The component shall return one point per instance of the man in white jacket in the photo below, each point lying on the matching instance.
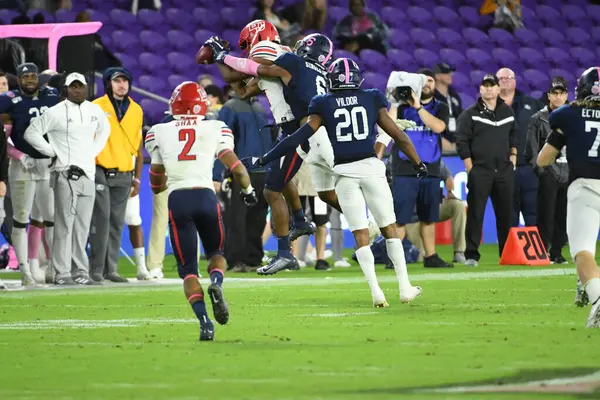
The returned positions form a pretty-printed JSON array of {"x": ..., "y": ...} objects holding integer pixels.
[{"x": 77, "y": 131}]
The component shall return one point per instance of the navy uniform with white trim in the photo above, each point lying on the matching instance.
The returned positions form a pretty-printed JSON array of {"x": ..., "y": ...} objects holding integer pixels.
[
  {"x": 577, "y": 125},
  {"x": 487, "y": 142}
]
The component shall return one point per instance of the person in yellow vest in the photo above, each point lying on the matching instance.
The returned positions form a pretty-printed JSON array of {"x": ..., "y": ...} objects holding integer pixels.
[{"x": 117, "y": 177}]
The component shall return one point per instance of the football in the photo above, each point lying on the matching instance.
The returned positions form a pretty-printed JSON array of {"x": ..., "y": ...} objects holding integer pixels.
[{"x": 204, "y": 55}]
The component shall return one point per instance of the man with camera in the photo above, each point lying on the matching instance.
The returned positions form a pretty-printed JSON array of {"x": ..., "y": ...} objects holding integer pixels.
[
  {"x": 430, "y": 118},
  {"x": 77, "y": 132}
]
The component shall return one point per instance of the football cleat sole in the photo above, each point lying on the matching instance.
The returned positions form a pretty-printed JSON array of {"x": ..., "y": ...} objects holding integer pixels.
[{"x": 219, "y": 305}]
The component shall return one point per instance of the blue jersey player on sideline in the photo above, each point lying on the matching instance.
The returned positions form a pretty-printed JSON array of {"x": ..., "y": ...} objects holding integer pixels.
[
  {"x": 303, "y": 74},
  {"x": 577, "y": 126},
  {"x": 351, "y": 115},
  {"x": 185, "y": 150},
  {"x": 29, "y": 175}
]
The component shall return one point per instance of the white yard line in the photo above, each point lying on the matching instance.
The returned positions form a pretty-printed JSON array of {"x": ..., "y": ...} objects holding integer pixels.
[{"x": 167, "y": 284}]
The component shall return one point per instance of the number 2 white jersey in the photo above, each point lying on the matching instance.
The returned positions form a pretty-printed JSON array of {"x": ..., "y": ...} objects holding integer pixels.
[
  {"x": 188, "y": 148},
  {"x": 273, "y": 87}
]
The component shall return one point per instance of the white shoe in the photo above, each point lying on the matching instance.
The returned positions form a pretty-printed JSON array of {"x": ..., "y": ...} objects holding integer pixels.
[
  {"x": 26, "y": 277},
  {"x": 594, "y": 318},
  {"x": 343, "y": 263},
  {"x": 36, "y": 272},
  {"x": 581, "y": 297},
  {"x": 143, "y": 274},
  {"x": 156, "y": 273},
  {"x": 374, "y": 231},
  {"x": 301, "y": 264},
  {"x": 311, "y": 258},
  {"x": 379, "y": 299},
  {"x": 411, "y": 294}
]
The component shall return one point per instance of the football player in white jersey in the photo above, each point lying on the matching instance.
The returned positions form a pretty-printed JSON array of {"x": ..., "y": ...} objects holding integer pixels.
[{"x": 185, "y": 149}]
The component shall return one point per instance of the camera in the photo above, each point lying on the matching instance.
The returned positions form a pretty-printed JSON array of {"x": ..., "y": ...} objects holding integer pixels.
[{"x": 403, "y": 94}]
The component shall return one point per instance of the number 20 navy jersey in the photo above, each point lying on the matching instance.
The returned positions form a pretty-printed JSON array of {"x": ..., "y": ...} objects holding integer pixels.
[
  {"x": 350, "y": 117},
  {"x": 581, "y": 129},
  {"x": 22, "y": 109},
  {"x": 308, "y": 80}
]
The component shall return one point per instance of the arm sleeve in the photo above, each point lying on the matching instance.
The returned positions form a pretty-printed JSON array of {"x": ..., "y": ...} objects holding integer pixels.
[
  {"x": 226, "y": 141},
  {"x": 443, "y": 113},
  {"x": 513, "y": 137},
  {"x": 464, "y": 134},
  {"x": 3, "y": 155},
  {"x": 151, "y": 145},
  {"x": 289, "y": 143},
  {"x": 38, "y": 127},
  {"x": 6, "y": 102},
  {"x": 289, "y": 62},
  {"x": 532, "y": 143},
  {"x": 102, "y": 131}
]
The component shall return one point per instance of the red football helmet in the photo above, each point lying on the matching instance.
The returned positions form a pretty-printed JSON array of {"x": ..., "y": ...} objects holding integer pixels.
[
  {"x": 257, "y": 31},
  {"x": 189, "y": 98}
]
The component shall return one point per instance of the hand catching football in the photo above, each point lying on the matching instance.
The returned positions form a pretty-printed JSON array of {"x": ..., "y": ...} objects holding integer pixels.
[{"x": 206, "y": 53}]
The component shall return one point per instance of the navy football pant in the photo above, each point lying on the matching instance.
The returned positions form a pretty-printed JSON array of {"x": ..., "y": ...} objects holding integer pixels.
[
  {"x": 194, "y": 212},
  {"x": 525, "y": 196}
]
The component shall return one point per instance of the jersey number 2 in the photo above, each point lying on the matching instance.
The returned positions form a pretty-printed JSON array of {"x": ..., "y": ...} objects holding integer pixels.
[
  {"x": 350, "y": 118},
  {"x": 189, "y": 137},
  {"x": 589, "y": 126}
]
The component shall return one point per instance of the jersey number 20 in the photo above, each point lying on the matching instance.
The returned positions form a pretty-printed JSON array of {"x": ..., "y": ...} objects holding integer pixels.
[
  {"x": 350, "y": 119},
  {"x": 189, "y": 137}
]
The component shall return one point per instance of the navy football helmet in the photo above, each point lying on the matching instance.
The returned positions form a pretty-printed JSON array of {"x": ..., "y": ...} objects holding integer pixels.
[
  {"x": 588, "y": 84},
  {"x": 344, "y": 74},
  {"x": 316, "y": 48}
]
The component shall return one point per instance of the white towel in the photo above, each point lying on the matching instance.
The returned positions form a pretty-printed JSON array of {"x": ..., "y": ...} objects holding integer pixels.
[{"x": 402, "y": 78}]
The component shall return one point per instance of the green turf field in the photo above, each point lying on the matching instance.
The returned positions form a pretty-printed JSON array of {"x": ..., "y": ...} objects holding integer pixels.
[{"x": 306, "y": 335}]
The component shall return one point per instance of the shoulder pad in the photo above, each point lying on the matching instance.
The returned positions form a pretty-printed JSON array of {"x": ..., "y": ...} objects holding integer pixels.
[{"x": 267, "y": 50}]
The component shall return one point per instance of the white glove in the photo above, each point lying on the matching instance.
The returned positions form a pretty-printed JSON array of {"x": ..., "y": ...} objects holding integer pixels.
[
  {"x": 405, "y": 124},
  {"x": 27, "y": 162}
]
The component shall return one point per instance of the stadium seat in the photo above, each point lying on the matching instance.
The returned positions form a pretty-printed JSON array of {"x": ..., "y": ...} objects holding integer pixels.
[
  {"x": 123, "y": 19},
  {"x": 536, "y": 79},
  {"x": 125, "y": 41},
  {"x": 425, "y": 58},
  {"x": 178, "y": 18},
  {"x": 400, "y": 59},
  {"x": 446, "y": 16},
  {"x": 150, "y": 19},
  {"x": 526, "y": 37},
  {"x": 180, "y": 40},
  {"x": 374, "y": 60},
  {"x": 202, "y": 35},
  {"x": 478, "y": 58},
  {"x": 152, "y": 40},
  {"x": 180, "y": 62},
  {"x": 454, "y": 58},
  {"x": 552, "y": 37},
  {"x": 531, "y": 57},
  {"x": 151, "y": 84},
  {"x": 577, "y": 36},
  {"x": 151, "y": 62},
  {"x": 420, "y": 17}
]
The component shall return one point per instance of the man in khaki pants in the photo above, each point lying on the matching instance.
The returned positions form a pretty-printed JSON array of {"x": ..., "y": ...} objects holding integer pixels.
[
  {"x": 452, "y": 209},
  {"x": 156, "y": 244}
]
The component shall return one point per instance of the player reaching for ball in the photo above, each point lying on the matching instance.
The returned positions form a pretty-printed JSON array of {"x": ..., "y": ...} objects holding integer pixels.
[
  {"x": 351, "y": 115},
  {"x": 302, "y": 74},
  {"x": 185, "y": 150}
]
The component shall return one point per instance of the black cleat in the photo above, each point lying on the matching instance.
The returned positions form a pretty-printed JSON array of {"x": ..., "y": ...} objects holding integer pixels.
[
  {"x": 322, "y": 265},
  {"x": 219, "y": 305},
  {"x": 434, "y": 261},
  {"x": 301, "y": 229},
  {"x": 207, "y": 334},
  {"x": 277, "y": 264}
]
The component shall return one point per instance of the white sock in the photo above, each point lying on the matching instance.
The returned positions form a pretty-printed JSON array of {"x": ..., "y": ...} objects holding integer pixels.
[
  {"x": 366, "y": 260},
  {"x": 592, "y": 288},
  {"x": 396, "y": 254},
  {"x": 19, "y": 239},
  {"x": 140, "y": 258},
  {"x": 49, "y": 234}
]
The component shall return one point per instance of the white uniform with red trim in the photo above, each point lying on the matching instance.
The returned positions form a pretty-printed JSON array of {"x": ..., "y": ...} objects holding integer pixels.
[
  {"x": 187, "y": 148},
  {"x": 273, "y": 87},
  {"x": 320, "y": 157}
]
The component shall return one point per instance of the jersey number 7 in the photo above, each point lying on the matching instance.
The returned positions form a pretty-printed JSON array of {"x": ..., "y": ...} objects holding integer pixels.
[{"x": 189, "y": 137}]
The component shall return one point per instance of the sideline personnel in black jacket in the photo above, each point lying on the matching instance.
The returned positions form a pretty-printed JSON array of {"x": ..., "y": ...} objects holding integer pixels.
[
  {"x": 553, "y": 180},
  {"x": 487, "y": 143}
]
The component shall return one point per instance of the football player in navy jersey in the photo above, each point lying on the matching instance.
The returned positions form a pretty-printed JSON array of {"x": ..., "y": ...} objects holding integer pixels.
[
  {"x": 350, "y": 116},
  {"x": 577, "y": 126},
  {"x": 29, "y": 175},
  {"x": 303, "y": 74}
]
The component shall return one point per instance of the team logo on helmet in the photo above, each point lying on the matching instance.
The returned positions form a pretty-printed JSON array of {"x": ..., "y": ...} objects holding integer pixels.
[
  {"x": 257, "y": 26},
  {"x": 342, "y": 78},
  {"x": 196, "y": 109}
]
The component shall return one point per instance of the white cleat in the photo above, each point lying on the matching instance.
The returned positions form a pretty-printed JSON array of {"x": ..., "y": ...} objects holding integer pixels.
[
  {"x": 411, "y": 294},
  {"x": 156, "y": 273},
  {"x": 36, "y": 271},
  {"x": 343, "y": 263},
  {"x": 379, "y": 299},
  {"x": 374, "y": 231},
  {"x": 581, "y": 297},
  {"x": 2, "y": 285},
  {"x": 594, "y": 318},
  {"x": 26, "y": 277},
  {"x": 143, "y": 274}
]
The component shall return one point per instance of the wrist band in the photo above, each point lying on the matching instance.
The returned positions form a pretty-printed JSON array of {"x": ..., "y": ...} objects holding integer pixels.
[
  {"x": 419, "y": 109},
  {"x": 247, "y": 190}
]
